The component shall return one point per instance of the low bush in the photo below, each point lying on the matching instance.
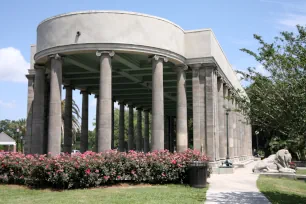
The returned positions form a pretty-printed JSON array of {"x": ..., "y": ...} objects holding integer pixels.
[{"x": 95, "y": 169}]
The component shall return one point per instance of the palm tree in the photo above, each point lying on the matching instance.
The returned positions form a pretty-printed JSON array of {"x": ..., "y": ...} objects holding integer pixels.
[{"x": 75, "y": 119}]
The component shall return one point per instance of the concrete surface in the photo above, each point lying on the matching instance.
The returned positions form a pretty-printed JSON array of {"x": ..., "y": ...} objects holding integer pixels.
[{"x": 239, "y": 187}]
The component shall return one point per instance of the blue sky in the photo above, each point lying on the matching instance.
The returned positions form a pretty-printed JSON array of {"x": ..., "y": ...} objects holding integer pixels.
[{"x": 234, "y": 22}]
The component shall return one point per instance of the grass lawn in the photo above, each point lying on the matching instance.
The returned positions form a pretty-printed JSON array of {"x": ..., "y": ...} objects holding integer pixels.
[
  {"x": 301, "y": 171},
  {"x": 282, "y": 190},
  {"x": 123, "y": 194}
]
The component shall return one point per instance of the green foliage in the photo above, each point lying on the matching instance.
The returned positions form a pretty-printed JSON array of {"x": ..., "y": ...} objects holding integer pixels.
[
  {"x": 95, "y": 169},
  {"x": 277, "y": 97},
  {"x": 10, "y": 127}
]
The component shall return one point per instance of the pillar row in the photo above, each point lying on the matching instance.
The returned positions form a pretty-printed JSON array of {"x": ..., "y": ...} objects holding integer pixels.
[
  {"x": 181, "y": 114},
  {"x": 196, "y": 108},
  {"x": 121, "y": 127},
  {"x": 131, "y": 128},
  {"x": 55, "y": 114},
  {"x": 230, "y": 125},
  {"x": 221, "y": 118},
  {"x": 105, "y": 101},
  {"x": 139, "y": 130},
  {"x": 84, "y": 122},
  {"x": 146, "y": 132},
  {"x": 97, "y": 122},
  {"x": 157, "y": 103},
  {"x": 38, "y": 121},
  {"x": 28, "y": 136},
  {"x": 68, "y": 120}
]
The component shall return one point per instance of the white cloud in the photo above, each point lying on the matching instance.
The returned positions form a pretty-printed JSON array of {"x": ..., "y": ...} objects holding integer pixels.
[
  {"x": 13, "y": 66},
  {"x": 4, "y": 104}
]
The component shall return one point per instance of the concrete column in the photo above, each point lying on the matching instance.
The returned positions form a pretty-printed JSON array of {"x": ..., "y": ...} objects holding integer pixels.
[
  {"x": 146, "y": 132},
  {"x": 226, "y": 106},
  {"x": 216, "y": 117},
  {"x": 113, "y": 126},
  {"x": 55, "y": 114},
  {"x": 157, "y": 103},
  {"x": 202, "y": 107},
  {"x": 221, "y": 118},
  {"x": 131, "y": 128},
  {"x": 121, "y": 127},
  {"x": 196, "y": 108},
  {"x": 166, "y": 142},
  {"x": 97, "y": 122},
  {"x": 171, "y": 133},
  {"x": 238, "y": 131},
  {"x": 84, "y": 124},
  {"x": 181, "y": 111},
  {"x": 37, "y": 141},
  {"x": 235, "y": 136},
  {"x": 28, "y": 136},
  {"x": 139, "y": 130},
  {"x": 230, "y": 124},
  {"x": 68, "y": 120},
  {"x": 210, "y": 102},
  {"x": 105, "y": 101}
]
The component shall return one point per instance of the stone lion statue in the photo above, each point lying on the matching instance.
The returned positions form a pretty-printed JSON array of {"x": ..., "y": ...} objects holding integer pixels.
[{"x": 275, "y": 163}]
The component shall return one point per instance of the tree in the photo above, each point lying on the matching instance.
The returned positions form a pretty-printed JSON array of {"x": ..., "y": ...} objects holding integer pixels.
[
  {"x": 277, "y": 99},
  {"x": 15, "y": 129},
  {"x": 75, "y": 119}
]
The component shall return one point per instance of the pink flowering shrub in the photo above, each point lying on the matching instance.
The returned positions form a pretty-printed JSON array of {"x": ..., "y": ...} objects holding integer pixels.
[{"x": 95, "y": 169}]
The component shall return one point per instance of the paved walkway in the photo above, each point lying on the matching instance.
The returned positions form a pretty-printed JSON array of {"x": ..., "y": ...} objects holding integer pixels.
[{"x": 239, "y": 187}]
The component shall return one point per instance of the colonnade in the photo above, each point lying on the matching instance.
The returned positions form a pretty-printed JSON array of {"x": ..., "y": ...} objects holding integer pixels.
[{"x": 211, "y": 100}]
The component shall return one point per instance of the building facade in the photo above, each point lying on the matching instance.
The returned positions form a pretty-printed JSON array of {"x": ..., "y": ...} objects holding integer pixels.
[{"x": 142, "y": 61}]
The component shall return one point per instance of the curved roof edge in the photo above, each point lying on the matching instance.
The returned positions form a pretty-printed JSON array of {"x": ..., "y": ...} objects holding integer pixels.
[{"x": 109, "y": 11}]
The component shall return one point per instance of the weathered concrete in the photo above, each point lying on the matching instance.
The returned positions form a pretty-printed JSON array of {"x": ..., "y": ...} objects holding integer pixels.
[
  {"x": 113, "y": 126},
  {"x": 202, "y": 106},
  {"x": 37, "y": 140},
  {"x": 131, "y": 128},
  {"x": 139, "y": 130},
  {"x": 166, "y": 137},
  {"x": 221, "y": 118},
  {"x": 97, "y": 122},
  {"x": 68, "y": 120},
  {"x": 230, "y": 125},
  {"x": 121, "y": 127},
  {"x": 55, "y": 114},
  {"x": 239, "y": 187},
  {"x": 196, "y": 108},
  {"x": 210, "y": 112},
  {"x": 105, "y": 101},
  {"x": 181, "y": 111},
  {"x": 235, "y": 136},
  {"x": 84, "y": 124},
  {"x": 157, "y": 103},
  {"x": 146, "y": 132},
  {"x": 28, "y": 136}
]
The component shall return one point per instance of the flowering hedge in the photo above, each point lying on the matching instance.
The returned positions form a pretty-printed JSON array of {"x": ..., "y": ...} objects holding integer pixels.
[{"x": 95, "y": 169}]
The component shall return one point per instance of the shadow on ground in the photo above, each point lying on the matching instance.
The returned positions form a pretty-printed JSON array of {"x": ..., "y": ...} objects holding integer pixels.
[
  {"x": 238, "y": 197},
  {"x": 283, "y": 198}
]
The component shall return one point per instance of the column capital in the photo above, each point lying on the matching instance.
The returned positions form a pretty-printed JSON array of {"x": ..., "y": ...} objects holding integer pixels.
[
  {"x": 158, "y": 57},
  {"x": 30, "y": 76},
  {"x": 180, "y": 68},
  {"x": 130, "y": 105},
  {"x": 39, "y": 66},
  {"x": 55, "y": 56},
  {"x": 84, "y": 91},
  {"x": 139, "y": 108},
  {"x": 96, "y": 95},
  {"x": 195, "y": 66},
  {"x": 99, "y": 53},
  {"x": 121, "y": 102},
  {"x": 68, "y": 85}
]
